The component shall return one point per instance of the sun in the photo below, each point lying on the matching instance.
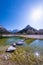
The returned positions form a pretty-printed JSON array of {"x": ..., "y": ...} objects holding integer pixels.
[{"x": 36, "y": 14}]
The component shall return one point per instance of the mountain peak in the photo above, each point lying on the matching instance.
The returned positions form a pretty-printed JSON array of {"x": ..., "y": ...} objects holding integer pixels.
[
  {"x": 28, "y": 30},
  {"x": 28, "y": 27}
]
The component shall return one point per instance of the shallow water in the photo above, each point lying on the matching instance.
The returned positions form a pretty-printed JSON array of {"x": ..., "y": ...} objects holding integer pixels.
[{"x": 36, "y": 46}]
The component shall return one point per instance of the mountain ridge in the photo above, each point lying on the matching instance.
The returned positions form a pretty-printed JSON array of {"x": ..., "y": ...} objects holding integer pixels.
[
  {"x": 4, "y": 30},
  {"x": 27, "y": 30}
]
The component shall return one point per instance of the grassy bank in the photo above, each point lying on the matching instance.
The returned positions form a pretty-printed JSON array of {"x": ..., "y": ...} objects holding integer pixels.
[{"x": 29, "y": 40}]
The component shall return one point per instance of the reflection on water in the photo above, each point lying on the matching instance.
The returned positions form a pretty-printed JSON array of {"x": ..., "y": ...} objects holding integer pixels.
[
  {"x": 37, "y": 54},
  {"x": 37, "y": 43},
  {"x": 37, "y": 46},
  {"x": 12, "y": 40}
]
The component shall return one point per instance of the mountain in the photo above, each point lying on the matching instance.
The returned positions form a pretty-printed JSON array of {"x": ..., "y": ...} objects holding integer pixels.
[
  {"x": 28, "y": 30},
  {"x": 15, "y": 31},
  {"x": 3, "y": 30},
  {"x": 40, "y": 31}
]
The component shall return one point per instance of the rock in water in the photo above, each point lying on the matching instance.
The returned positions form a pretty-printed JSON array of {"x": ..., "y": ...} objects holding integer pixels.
[
  {"x": 20, "y": 42},
  {"x": 14, "y": 44},
  {"x": 11, "y": 49}
]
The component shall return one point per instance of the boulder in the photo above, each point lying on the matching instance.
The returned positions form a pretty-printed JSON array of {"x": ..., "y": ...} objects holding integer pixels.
[
  {"x": 20, "y": 42},
  {"x": 11, "y": 49}
]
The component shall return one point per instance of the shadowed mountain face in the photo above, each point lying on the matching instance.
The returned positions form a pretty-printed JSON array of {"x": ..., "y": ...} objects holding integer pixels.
[
  {"x": 3, "y": 30},
  {"x": 28, "y": 30}
]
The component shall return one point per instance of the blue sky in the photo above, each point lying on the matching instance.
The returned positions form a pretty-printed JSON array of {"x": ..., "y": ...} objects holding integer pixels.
[{"x": 17, "y": 14}]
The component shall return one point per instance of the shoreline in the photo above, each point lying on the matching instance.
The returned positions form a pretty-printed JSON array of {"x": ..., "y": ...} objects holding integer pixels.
[{"x": 25, "y": 36}]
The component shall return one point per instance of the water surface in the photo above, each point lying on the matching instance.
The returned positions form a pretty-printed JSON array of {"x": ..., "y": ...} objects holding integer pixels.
[{"x": 35, "y": 46}]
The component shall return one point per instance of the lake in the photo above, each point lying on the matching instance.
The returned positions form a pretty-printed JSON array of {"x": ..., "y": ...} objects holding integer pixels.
[{"x": 34, "y": 48}]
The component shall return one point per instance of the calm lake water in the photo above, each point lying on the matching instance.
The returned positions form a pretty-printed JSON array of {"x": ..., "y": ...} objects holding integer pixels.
[{"x": 36, "y": 46}]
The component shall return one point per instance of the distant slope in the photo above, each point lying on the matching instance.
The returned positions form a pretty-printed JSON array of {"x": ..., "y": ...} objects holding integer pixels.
[
  {"x": 3, "y": 30},
  {"x": 15, "y": 31},
  {"x": 41, "y": 31}
]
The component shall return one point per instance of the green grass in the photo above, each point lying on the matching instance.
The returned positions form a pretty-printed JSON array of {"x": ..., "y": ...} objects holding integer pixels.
[
  {"x": 2, "y": 41},
  {"x": 29, "y": 40}
]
